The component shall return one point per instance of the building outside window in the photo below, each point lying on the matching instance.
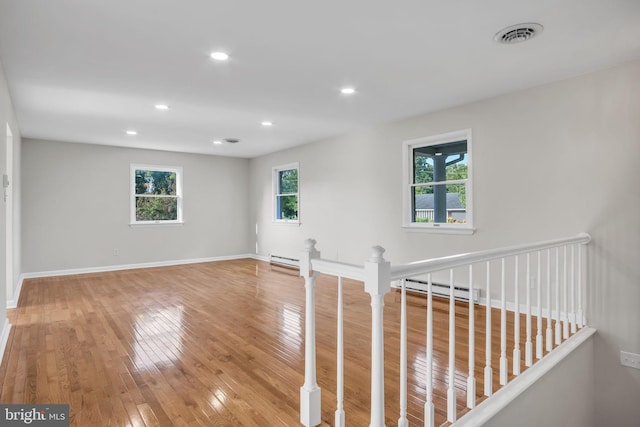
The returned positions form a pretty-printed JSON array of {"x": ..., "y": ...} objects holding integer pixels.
[{"x": 437, "y": 183}]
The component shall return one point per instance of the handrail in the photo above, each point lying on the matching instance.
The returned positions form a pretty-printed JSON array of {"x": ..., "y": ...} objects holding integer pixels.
[
  {"x": 442, "y": 263},
  {"x": 519, "y": 266},
  {"x": 336, "y": 268}
]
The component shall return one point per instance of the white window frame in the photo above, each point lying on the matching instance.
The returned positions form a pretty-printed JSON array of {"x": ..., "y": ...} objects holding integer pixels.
[
  {"x": 276, "y": 193},
  {"x": 407, "y": 184},
  {"x": 132, "y": 184}
]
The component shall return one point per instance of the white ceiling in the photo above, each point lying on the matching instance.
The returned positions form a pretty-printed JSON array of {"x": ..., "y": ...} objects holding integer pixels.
[{"x": 87, "y": 70}]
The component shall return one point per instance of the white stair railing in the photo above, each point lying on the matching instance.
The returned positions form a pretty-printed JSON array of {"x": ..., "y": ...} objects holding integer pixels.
[
  {"x": 340, "y": 360},
  {"x": 309, "y": 392},
  {"x": 471, "y": 379},
  {"x": 488, "y": 370},
  {"x": 377, "y": 274}
]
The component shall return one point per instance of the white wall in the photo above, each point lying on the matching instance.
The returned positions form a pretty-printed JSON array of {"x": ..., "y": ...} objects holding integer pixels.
[
  {"x": 7, "y": 116},
  {"x": 548, "y": 162},
  {"x": 76, "y": 207},
  {"x": 563, "y": 397}
]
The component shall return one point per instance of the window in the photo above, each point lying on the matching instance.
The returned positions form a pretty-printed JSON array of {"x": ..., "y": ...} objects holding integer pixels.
[
  {"x": 437, "y": 183},
  {"x": 285, "y": 191},
  {"x": 156, "y": 194}
]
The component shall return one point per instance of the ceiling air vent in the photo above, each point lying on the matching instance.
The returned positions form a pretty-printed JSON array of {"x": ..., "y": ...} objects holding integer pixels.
[
  {"x": 232, "y": 140},
  {"x": 518, "y": 33}
]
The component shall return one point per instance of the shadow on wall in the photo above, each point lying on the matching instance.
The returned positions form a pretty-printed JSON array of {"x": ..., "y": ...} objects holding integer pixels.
[{"x": 613, "y": 295}]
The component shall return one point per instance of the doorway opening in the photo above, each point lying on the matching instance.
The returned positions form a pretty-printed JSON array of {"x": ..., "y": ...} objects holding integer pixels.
[{"x": 7, "y": 185}]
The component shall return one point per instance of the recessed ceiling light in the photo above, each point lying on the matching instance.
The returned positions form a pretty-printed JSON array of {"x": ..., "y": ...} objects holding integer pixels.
[
  {"x": 161, "y": 107},
  {"x": 217, "y": 142},
  {"x": 132, "y": 132},
  {"x": 266, "y": 123},
  {"x": 347, "y": 91},
  {"x": 219, "y": 56}
]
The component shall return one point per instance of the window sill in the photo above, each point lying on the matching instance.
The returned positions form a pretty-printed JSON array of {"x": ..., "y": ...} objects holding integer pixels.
[
  {"x": 442, "y": 229},
  {"x": 288, "y": 223},
  {"x": 156, "y": 224}
]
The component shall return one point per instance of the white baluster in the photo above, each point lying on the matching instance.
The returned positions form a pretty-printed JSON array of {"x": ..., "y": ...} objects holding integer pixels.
[
  {"x": 488, "y": 370},
  {"x": 539, "y": 340},
  {"x": 558, "y": 328},
  {"x": 429, "y": 413},
  {"x": 516, "y": 324},
  {"x": 504, "y": 364},
  {"x": 471, "y": 379},
  {"x": 309, "y": 392},
  {"x": 581, "y": 321},
  {"x": 573, "y": 291},
  {"x": 402, "y": 421},
  {"x": 565, "y": 297},
  {"x": 549, "y": 319},
  {"x": 528, "y": 345},
  {"x": 340, "y": 421},
  {"x": 451, "y": 391},
  {"x": 377, "y": 284}
]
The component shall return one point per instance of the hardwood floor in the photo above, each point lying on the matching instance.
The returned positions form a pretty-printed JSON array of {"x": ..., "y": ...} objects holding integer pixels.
[{"x": 214, "y": 344}]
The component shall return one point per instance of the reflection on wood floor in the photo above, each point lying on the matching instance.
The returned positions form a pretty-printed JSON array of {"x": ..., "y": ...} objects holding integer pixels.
[{"x": 213, "y": 344}]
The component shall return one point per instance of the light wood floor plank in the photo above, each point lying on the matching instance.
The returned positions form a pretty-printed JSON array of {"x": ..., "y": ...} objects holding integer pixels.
[{"x": 215, "y": 344}]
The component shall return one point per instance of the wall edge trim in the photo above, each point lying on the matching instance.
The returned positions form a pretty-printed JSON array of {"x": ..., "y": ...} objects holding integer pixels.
[{"x": 500, "y": 399}]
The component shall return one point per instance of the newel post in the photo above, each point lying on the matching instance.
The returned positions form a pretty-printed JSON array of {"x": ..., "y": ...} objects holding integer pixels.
[
  {"x": 377, "y": 274},
  {"x": 309, "y": 392}
]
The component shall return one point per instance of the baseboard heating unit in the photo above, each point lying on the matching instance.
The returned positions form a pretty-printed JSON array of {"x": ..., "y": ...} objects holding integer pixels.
[
  {"x": 439, "y": 289},
  {"x": 284, "y": 261}
]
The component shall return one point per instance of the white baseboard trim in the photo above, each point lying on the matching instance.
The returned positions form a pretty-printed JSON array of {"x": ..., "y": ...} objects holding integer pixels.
[
  {"x": 260, "y": 257},
  {"x": 510, "y": 306},
  {"x": 500, "y": 399},
  {"x": 120, "y": 267},
  {"x": 4, "y": 338},
  {"x": 13, "y": 303}
]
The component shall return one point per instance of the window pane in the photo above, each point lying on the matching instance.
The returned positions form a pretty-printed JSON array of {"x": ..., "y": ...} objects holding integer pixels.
[
  {"x": 288, "y": 181},
  {"x": 423, "y": 167},
  {"x": 156, "y": 208},
  {"x": 442, "y": 162},
  {"x": 155, "y": 182},
  {"x": 439, "y": 203},
  {"x": 457, "y": 167},
  {"x": 287, "y": 207}
]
